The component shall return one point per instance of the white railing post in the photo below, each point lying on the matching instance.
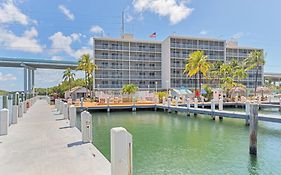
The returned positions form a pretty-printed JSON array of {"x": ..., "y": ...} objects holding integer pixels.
[
  {"x": 4, "y": 121},
  {"x": 177, "y": 101},
  {"x": 86, "y": 127},
  {"x": 121, "y": 152},
  {"x": 195, "y": 103},
  {"x": 20, "y": 109},
  {"x": 107, "y": 102},
  {"x": 280, "y": 104},
  {"x": 15, "y": 108},
  {"x": 72, "y": 116}
]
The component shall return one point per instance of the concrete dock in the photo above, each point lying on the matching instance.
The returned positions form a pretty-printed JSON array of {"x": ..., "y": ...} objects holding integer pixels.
[{"x": 42, "y": 143}]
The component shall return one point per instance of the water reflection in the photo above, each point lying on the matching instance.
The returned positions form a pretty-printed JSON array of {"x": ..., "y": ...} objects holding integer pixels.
[{"x": 253, "y": 165}]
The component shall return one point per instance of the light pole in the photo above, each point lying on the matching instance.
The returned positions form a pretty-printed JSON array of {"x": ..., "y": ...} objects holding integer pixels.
[{"x": 156, "y": 86}]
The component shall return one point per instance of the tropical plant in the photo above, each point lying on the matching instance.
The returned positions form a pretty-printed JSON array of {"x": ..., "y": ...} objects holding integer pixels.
[
  {"x": 68, "y": 75},
  {"x": 161, "y": 95},
  {"x": 197, "y": 64},
  {"x": 87, "y": 65},
  {"x": 209, "y": 92},
  {"x": 255, "y": 60},
  {"x": 129, "y": 89}
]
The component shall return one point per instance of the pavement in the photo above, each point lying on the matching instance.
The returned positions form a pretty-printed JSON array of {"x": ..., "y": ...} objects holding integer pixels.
[{"x": 42, "y": 143}]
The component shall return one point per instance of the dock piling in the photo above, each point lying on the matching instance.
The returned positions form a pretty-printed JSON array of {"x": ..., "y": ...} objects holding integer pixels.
[
  {"x": 253, "y": 128},
  {"x": 86, "y": 127},
  {"x": 188, "y": 106},
  {"x": 107, "y": 102},
  {"x": 121, "y": 152},
  {"x": 65, "y": 110},
  {"x": 280, "y": 105},
  {"x": 213, "y": 107},
  {"x": 72, "y": 116},
  {"x": 20, "y": 109},
  {"x": 195, "y": 103},
  {"x": 169, "y": 105},
  {"x": 4, "y": 121},
  {"x": 15, "y": 108},
  {"x": 247, "y": 110},
  {"x": 220, "y": 107}
]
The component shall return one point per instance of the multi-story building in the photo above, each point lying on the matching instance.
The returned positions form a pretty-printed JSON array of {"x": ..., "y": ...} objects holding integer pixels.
[
  {"x": 154, "y": 63},
  {"x": 126, "y": 60}
]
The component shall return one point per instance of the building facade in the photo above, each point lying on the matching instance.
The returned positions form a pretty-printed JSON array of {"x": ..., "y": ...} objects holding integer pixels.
[{"x": 156, "y": 64}]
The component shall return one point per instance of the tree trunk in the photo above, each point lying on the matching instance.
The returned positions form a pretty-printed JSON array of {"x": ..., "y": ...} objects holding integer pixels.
[
  {"x": 200, "y": 82},
  {"x": 256, "y": 81},
  {"x": 195, "y": 84}
]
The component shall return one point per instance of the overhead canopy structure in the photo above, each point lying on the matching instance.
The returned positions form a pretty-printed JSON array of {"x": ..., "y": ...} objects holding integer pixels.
[
  {"x": 180, "y": 92},
  {"x": 30, "y": 65}
]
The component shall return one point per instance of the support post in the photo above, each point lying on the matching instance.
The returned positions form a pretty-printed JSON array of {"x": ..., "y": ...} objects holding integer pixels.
[
  {"x": 15, "y": 108},
  {"x": 169, "y": 104},
  {"x": 134, "y": 105},
  {"x": 65, "y": 110},
  {"x": 4, "y": 121},
  {"x": 86, "y": 127},
  {"x": 177, "y": 101},
  {"x": 236, "y": 101},
  {"x": 107, "y": 102},
  {"x": 253, "y": 129},
  {"x": 82, "y": 102},
  {"x": 213, "y": 107},
  {"x": 72, "y": 116},
  {"x": 29, "y": 80},
  {"x": 20, "y": 109},
  {"x": 5, "y": 102},
  {"x": 247, "y": 110},
  {"x": 280, "y": 105},
  {"x": 121, "y": 152},
  {"x": 220, "y": 107},
  {"x": 25, "y": 79},
  {"x": 195, "y": 103},
  {"x": 188, "y": 106}
]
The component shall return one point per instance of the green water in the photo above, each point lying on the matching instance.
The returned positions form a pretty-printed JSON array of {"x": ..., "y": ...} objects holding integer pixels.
[{"x": 175, "y": 144}]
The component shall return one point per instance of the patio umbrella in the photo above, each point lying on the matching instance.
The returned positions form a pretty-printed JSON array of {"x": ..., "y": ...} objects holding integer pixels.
[
  {"x": 203, "y": 91},
  {"x": 263, "y": 90},
  {"x": 237, "y": 90}
]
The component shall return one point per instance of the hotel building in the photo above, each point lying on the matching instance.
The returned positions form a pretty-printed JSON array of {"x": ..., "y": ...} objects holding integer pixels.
[{"x": 159, "y": 64}]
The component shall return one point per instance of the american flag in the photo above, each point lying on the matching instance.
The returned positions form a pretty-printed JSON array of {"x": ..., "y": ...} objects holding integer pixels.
[{"x": 153, "y": 35}]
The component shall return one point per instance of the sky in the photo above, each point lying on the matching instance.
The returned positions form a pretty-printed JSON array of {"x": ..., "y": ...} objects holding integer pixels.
[{"x": 62, "y": 29}]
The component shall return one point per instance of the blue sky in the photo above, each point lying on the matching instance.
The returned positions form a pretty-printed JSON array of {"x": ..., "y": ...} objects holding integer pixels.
[{"x": 61, "y": 29}]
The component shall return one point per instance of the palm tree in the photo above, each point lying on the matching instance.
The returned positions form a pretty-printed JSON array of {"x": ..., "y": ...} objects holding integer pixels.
[
  {"x": 130, "y": 89},
  {"x": 68, "y": 75},
  {"x": 87, "y": 65},
  {"x": 255, "y": 60},
  {"x": 197, "y": 64}
]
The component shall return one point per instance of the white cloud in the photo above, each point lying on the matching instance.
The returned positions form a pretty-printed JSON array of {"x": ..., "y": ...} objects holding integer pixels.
[
  {"x": 203, "y": 32},
  {"x": 27, "y": 42},
  {"x": 175, "y": 10},
  {"x": 9, "y": 13},
  {"x": 66, "y": 12},
  {"x": 62, "y": 43},
  {"x": 96, "y": 29},
  {"x": 7, "y": 77},
  {"x": 237, "y": 36},
  {"x": 57, "y": 58}
]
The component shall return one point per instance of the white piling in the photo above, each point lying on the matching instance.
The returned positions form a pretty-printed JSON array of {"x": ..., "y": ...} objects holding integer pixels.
[
  {"x": 220, "y": 107},
  {"x": 247, "y": 110},
  {"x": 213, "y": 107},
  {"x": 20, "y": 109},
  {"x": 169, "y": 104},
  {"x": 4, "y": 121},
  {"x": 107, "y": 102},
  {"x": 15, "y": 114},
  {"x": 86, "y": 127},
  {"x": 177, "y": 101},
  {"x": 24, "y": 106},
  {"x": 82, "y": 102},
  {"x": 72, "y": 116},
  {"x": 65, "y": 110},
  {"x": 188, "y": 100},
  {"x": 195, "y": 103},
  {"x": 121, "y": 152},
  {"x": 134, "y": 105}
]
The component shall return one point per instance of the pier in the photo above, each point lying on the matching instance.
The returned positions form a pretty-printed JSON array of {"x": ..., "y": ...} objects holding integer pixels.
[{"x": 43, "y": 143}]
